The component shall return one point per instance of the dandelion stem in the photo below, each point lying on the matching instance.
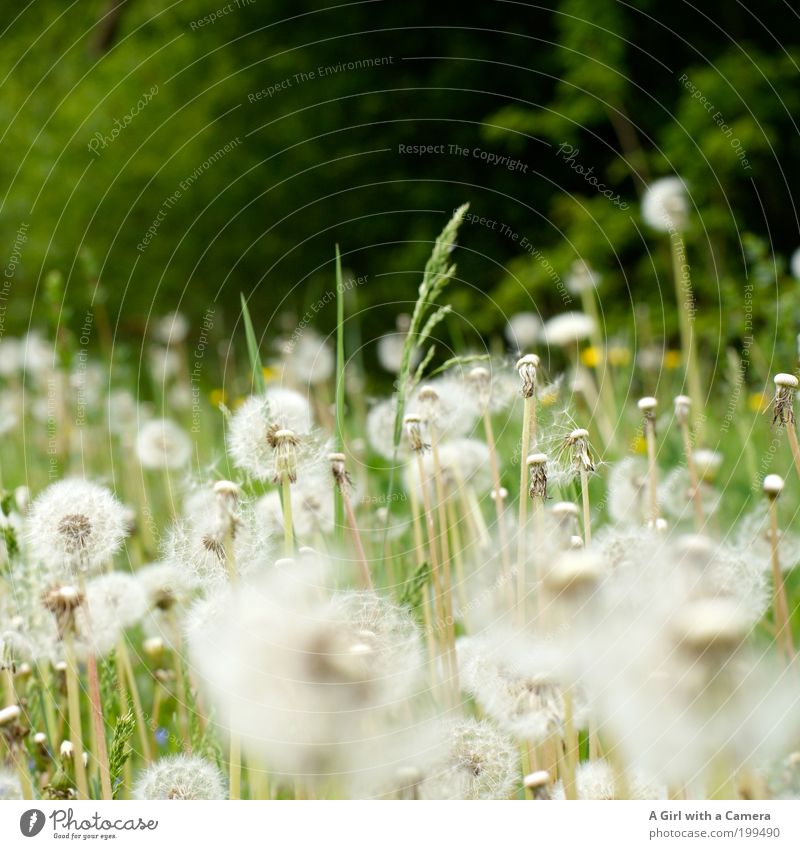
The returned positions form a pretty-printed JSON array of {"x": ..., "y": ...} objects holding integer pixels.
[
  {"x": 783, "y": 634},
  {"x": 685, "y": 304},
  {"x": 499, "y": 504},
  {"x": 363, "y": 563},
  {"x": 286, "y": 502},
  {"x": 570, "y": 748},
  {"x": 528, "y": 412},
  {"x": 587, "y": 520},
  {"x": 694, "y": 480},
  {"x": 74, "y": 708},
  {"x": 792, "y": 434}
]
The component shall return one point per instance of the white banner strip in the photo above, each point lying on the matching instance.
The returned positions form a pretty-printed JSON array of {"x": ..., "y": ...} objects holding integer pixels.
[{"x": 403, "y": 825}]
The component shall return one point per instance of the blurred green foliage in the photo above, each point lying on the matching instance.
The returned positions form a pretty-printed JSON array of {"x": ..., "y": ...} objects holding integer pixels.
[{"x": 317, "y": 159}]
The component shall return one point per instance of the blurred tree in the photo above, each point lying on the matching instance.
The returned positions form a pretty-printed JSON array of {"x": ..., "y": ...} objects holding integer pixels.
[{"x": 197, "y": 157}]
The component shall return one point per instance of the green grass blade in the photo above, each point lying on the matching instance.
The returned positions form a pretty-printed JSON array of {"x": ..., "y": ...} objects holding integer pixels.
[{"x": 259, "y": 384}]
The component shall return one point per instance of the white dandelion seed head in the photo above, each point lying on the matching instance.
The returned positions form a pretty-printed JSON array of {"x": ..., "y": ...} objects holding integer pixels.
[
  {"x": 197, "y": 542},
  {"x": 794, "y": 264},
  {"x": 269, "y": 512},
  {"x": 595, "y": 780},
  {"x": 665, "y": 205},
  {"x": 279, "y": 409},
  {"x": 390, "y": 351},
  {"x": 518, "y": 686},
  {"x": 524, "y": 330},
  {"x": 75, "y": 525},
  {"x": 10, "y": 788},
  {"x": 313, "y": 505},
  {"x": 380, "y": 429},
  {"x": 123, "y": 412},
  {"x": 165, "y": 364},
  {"x": 707, "y": 463},
  {"x": 163, "y": 444},
  {"x": 462, "y": 462},
  {"x": 581, "y": 278},
  {"x": 627, "y": 491},
  {"x": 10, "y": 356},
  {"x": 481, "y": 763},
  {"x": 171, "y": 329},
  {"x": 113, "y": 602},
  {"x": 292, "y": 676},
  {"x": 568, "y": 329},
  {"x": 752, "y": 538},
  {"x": 37, "y": 355},
  {"x": 166, "y": 585},
  {"x": 180, "y": 777},
  {"x": 675, "y": 495},
  {"x": 310, "y": 358},
  {"x": 444, "y": 408}
]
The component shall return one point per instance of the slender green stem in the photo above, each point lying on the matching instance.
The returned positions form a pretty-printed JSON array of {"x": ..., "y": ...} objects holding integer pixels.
[{"x": 684, "y": 301}]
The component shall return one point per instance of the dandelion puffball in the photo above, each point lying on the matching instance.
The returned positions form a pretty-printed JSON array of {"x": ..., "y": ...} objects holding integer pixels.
[
  {"x": 180, "y": 777},
  {"x": 261, "y": 416},
  {"x": 794, "y": 264},
  {"x": 75, "y": 525},
  {"x": 569, "y": 328},
  {"x": 523, "y": 330},
  {"x": 163, "y": 444},
  {"x": 665, "y": 205}
]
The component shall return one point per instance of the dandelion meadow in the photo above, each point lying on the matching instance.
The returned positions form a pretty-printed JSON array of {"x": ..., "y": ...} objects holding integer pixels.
[{"x": 379, "y": 426}]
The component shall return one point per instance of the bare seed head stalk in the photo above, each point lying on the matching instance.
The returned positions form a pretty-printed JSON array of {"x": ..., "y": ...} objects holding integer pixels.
[
  {"x": 648, "y": 405},
  {"x": 62, "y": 602},
  {"x": 537, "y": 491},
  {"x": 526, "y": 367},
  {"x": 683, "y": 406},
  {"x": 773, "y": 486},
  {"x": 227, "y": 494},
  {"x": 284, "y": 443},
  {"x": 783, "y": 411},
  {"x": 578, "y": 444},
  {"x": 344, "y": 484}
]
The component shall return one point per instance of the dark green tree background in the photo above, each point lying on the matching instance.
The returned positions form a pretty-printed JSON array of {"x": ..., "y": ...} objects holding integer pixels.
[{"x": 318, "y": 162}]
